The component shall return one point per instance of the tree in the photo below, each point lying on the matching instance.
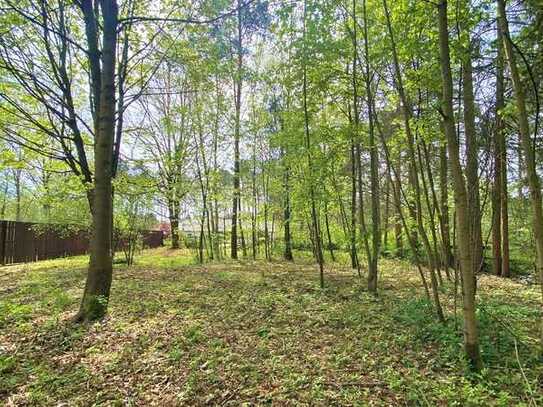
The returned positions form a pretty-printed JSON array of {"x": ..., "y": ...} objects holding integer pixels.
[
  {"x": 315, "y": 228},
  {"x": 103, "y": 68},
  {"x": 534, "y": 181},
  {"x": 464, "y": 239},
  {"x": 166, "y": 139}
]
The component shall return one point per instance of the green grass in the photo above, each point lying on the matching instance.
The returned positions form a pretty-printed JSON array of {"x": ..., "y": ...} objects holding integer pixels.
[{"x": 257, "y": 333}]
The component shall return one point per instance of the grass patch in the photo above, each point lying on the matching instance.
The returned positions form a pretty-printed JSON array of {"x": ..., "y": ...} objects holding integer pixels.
[{"x": 257, "y": 333}]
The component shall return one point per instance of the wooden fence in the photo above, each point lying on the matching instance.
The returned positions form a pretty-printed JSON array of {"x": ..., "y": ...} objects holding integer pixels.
[{"x": 24, "y": 242}]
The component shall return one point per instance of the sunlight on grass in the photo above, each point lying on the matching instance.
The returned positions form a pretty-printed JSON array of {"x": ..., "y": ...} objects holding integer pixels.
[{"x": 264, "y": 332}]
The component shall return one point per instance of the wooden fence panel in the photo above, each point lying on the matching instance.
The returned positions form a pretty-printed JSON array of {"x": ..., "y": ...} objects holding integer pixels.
[{"x": 24, "y": 242}]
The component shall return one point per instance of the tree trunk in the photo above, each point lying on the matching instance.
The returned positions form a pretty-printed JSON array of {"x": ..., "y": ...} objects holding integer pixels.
[
  {"x": 237, "y": 85},
  {"x": 98, "y": 284},
  {"x": 397, "y": 193},
  {"x": 444, "y": 203},
  {"x": 500, "y": 188},
  {"x": 286, "y": 209},
  {"x": 471, "y": 337},
  {"x": 328, "y": 234},
  {"x": 374, "y": 164},
  {"x": 241, "y": 234},
  {"x": 416, "y": 212},
  {"x": 398, "y": 223},
  {"x": 534, "y": 183},
  {"x": 497, "y": 156},
  {"x": 387, "y": 212},
  {"x": 354, "y": 256},
  {"x": 255, "y": 204},
  {"x": 315, "y": 229},
  {"x": 173, "y": 214},
  {"x": 4, "y": 201},
  {"x": 472, "y": 176},
  {"x": 17, "y": 178},
  {"x": 266, "y": 213}
]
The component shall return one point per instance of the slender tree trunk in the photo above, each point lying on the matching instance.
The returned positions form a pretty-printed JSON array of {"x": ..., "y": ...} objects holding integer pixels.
[
  {"x": 387, "y": 212},
  {"x": 444, "y": 203},
  {"x": 238, "y": 85},
  {"x": 17, "y": 178},
  {"x": 471, "y": 337},
  {"x": 398, "y": 223},
  {"x": 501, "y": 221},
  {"x": 534, "y": 182},
  {"x": 414, "y": 177},
  {"x": 431, "y": 203},
  {"x": 241, "y": 234},
  {"x": 354, "y": 257},
  {"x": 266, "y": 215},
  {"x": 314, "y": 218},
  {"x": 354, "y": 144},
  {"x": 203, "y": 191},
  {"x": 374, "y": 170},
  {"x": 98, "y": 284},
  {"x": 472, "y": 150},
  {"x": 224, "y": 234},
  {"x": 215, "y": 210},
  {"x": 372, "y": 277},
  {"x": 286, "y": 208},
  {"x": 272, "y": 235},
  {"x": 328, "y": 234},
  {"x": 4, "y": 202},
  {"x": 254, "y": 209},
  {"x": 497, "y": 182},
  {"x": 397, "y": 194}
]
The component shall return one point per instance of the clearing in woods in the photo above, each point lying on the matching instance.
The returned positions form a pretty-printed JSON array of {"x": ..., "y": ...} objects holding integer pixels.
[{"x": 257, "y": 333}]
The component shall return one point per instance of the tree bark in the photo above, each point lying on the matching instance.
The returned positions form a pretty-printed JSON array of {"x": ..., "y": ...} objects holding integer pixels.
[
  {"x": 497, "y": 182},
  {"x": 237, "y": 87},
  {"x": 471, "y": 337},
  {"x": 286, "y": 208},
  {"x": 173, "y": 214},
  {"x": 444, "y": 203},
  {"x": 501, "y": 221},
  {"x": 534, "y": 183},
  {"x": 374, "y": 170},
  {"x": 416, "y": 212},
  {"x": 315, "y": 227},
  {"x": 328, "y": 234},
  {"x": 472, "y": 165},
  {"x": 17, "y": 179},
  {"x": 99, "y": 277},
  {"x": 398, "y": 223}
]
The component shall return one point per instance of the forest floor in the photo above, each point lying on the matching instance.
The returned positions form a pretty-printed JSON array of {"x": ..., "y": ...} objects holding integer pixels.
[{"x": 258, "y": 333}]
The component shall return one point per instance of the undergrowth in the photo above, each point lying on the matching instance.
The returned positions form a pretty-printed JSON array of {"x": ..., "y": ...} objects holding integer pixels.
[{"x": 258, "y": 333}]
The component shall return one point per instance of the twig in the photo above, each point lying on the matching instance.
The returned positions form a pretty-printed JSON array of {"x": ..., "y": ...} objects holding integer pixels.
[{"x": 529, "y": 393}]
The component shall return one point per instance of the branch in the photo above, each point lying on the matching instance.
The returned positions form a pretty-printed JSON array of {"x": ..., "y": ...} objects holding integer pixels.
[{"x": 137, "y": 19}]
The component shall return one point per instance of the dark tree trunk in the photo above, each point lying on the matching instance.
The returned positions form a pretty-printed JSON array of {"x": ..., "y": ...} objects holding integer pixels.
[
  {"x": 173, "y": 212},
  {"x": 500, "y": 237},
  {"x": 286, "y": 209},
  {"x": 97, "y": 287}
]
